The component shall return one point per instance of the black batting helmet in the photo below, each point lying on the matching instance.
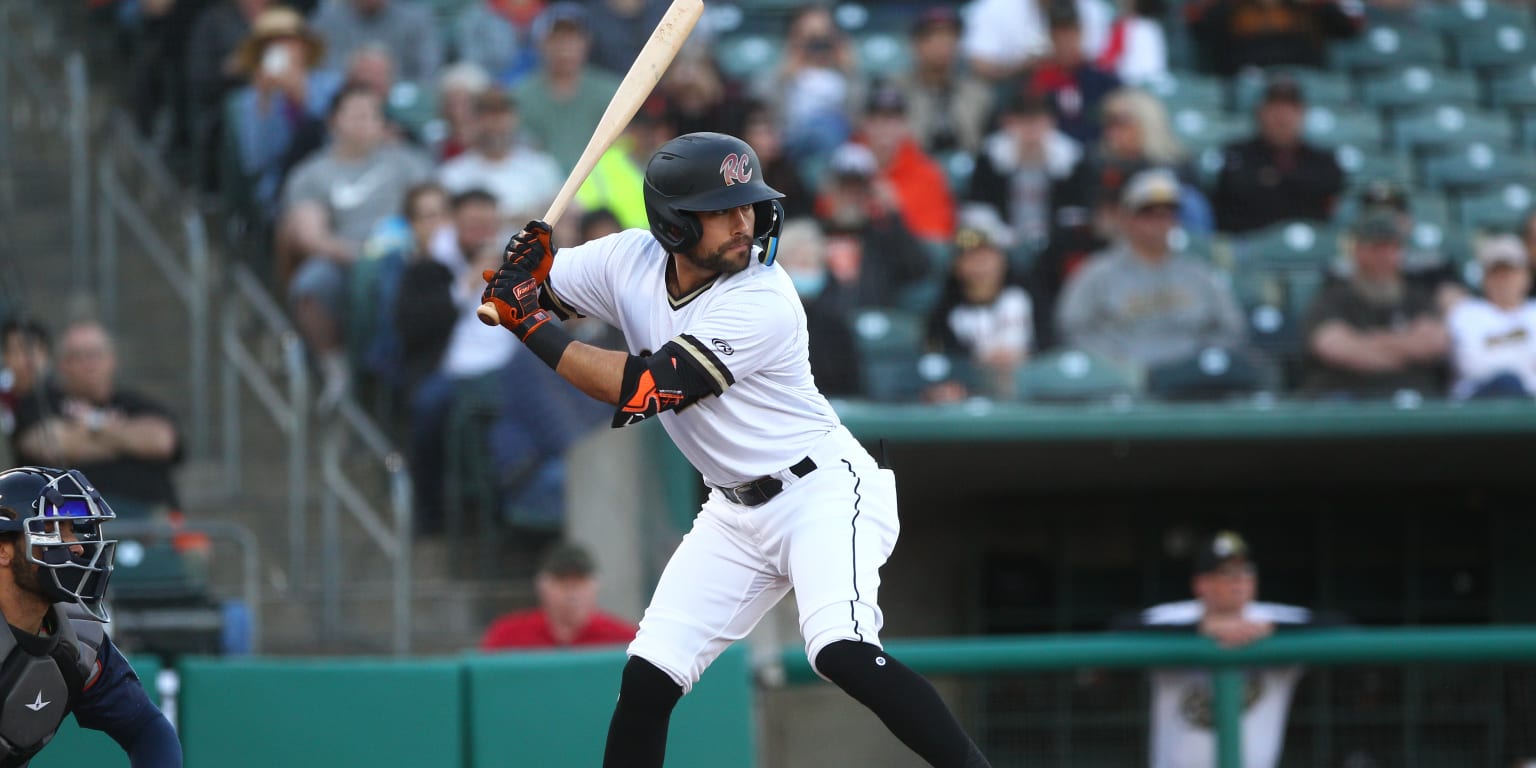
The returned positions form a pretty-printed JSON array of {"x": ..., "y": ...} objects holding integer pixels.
[
  {"x": 73, "y": 568},
  {"x": 708, "y": 172}
]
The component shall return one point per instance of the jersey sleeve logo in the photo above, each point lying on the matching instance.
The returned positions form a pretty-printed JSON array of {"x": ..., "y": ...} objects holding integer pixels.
[
  {"x": 723, "y": 345},
  {"x": 735, "y": 169}
]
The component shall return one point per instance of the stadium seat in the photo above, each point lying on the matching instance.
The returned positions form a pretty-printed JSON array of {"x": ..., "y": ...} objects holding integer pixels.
[
  {"x": 1296, "y": 243},
  {"x": 890, "y": 343},
  {"x": 1212, "y": 374},
  {"x": 1190, "y": 91},
  {"x": 1504, "y": 208},
  {"x": 884, "y": 55},
  {"x": 1075, "y": 376},
  {"x": 1462, "y": 15},
  {"x": 1330, "y": 126},
  {"x": 1199, "y": 129},
  {"x": 742, "y": 57},
  {"x": 1319, "y": 87},
  {"x": 412, "y": 106},
  {"x": 1493, "y": 45},
  {"x": 1385, "y": 46},
  {"x": 1424, "y": 206},
  {"x": 1513, "y": 88},
  {"x": 1417, "y": 87},
  {"x": 1448, "y": 126},
  {"x": 1362, "y": 164},
  {"x": 1474, "y": 166}
]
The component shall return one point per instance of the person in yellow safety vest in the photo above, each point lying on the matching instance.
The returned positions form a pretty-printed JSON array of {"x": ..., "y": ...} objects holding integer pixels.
[{"x": 618, "y": 181}]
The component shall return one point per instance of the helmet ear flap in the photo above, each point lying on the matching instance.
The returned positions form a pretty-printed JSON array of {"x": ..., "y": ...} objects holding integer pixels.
[{"x": 770, "y": 222}]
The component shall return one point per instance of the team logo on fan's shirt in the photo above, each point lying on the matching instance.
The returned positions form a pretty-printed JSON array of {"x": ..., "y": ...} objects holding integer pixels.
[{"x": 735, "y": 169}]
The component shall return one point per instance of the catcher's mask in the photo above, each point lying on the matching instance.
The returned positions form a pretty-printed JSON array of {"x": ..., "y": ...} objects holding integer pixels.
[
  {"x": 60, "y": 514},
  {"x": 705, "y": 171}
]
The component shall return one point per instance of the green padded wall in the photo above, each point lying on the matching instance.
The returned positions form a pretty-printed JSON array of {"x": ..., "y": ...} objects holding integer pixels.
[
  {"x": 322, "y": 713},
  {"x": 552, "y": 709},
  {"x": 75, "y": 746}
]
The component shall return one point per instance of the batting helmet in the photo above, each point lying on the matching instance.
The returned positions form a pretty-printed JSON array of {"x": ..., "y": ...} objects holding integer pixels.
[
  {"x": 35, "y": 502},
  {"x": 708, "y": 172}
]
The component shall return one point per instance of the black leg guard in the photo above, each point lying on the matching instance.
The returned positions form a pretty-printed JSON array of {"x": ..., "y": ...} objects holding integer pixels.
[
  {"x": 637, "y": 735},
  {"x": 903, "y": 700}
]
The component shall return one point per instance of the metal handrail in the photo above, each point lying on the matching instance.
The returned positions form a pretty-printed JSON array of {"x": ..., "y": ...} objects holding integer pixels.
[
  {"x": 250, "y": 555},
  {"x": 289, "y": 412},
  {"x": 393, "y": 537}
]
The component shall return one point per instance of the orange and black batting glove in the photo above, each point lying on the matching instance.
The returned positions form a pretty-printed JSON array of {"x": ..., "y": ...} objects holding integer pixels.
[
  {"x": 530, "y": 249},
  {"x": 515, "y": 295}
]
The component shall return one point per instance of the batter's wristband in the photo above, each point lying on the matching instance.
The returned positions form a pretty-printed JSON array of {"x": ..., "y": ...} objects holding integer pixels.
[{"x": 548, "y": 342}]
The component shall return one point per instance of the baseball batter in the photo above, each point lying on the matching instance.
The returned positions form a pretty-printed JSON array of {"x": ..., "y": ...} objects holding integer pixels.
[{"x": 717, "y": 351}]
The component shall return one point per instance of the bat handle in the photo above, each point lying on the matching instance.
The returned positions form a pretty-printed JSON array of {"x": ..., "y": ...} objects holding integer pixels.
[{"x": 487, "y": 314}]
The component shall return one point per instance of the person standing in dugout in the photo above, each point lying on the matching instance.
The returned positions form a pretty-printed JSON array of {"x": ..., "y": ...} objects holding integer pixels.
[
  {"x": 56, "y": 660},
  {"x": 718, "y": 352}
]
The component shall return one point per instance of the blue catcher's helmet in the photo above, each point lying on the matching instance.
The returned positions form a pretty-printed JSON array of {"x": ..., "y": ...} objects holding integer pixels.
[{"x": 60, "y": 514}]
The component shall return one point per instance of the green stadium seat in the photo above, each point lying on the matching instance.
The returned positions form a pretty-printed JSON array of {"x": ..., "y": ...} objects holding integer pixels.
[
  {"x": 1320, "y": 87},
  {"x": 1418, "y": 87},
  {"x": 1504, "y": 208},
  {"x": 1190, "y": 91},
  {"x": 1212, "y": 374},
  {"x": 1513, "y": 88},
  {"x": 1331, "y": 126},
  {"x": 1475, "y": 166},
  {"x": 1292, "y": 243},
  {"x": 1075, "y": 376},
  {"x": 883, "y": 55},
  {"x": 1424, "y": 206},
  {"x": 1363, "y": 163},
  {"x": 744, "y": 56},
  {"x": 1386, "y": 47},
  {"x": 1200, "y": 130},
  {"x": 1448, "y": 126},
  {"x": 1456, "y": 17},
  {"x": 412, "y": 105},
  {"x": 1494, "y": 45},
  {"x": 890, "y": 343}
]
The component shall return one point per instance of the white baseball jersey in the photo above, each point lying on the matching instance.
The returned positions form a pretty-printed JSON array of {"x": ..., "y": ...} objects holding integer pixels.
[
  {"x": 1488, "y": 341},
  {"x": 826, "y": 534},
  {"x": 1183, "y": 735},
  {"x": 746, "y": 330}
]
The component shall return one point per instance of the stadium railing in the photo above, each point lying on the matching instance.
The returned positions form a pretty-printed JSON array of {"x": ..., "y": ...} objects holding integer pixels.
[{"x": 1469, "y": 721}]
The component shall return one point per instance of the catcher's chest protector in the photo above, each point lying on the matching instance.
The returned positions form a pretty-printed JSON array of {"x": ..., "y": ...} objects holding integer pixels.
[{"x": 36, "y": 691}]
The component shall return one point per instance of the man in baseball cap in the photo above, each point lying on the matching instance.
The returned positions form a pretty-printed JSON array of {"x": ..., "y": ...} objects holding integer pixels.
[
  {"x": 567, "y": 614},
  {"x": 1276, "y": 175}
]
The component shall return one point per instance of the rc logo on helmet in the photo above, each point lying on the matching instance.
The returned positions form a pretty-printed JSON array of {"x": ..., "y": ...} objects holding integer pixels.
[{"x": 735, "y": 169}]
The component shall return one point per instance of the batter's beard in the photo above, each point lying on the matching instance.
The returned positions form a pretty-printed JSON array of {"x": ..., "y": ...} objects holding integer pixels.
[{"x": 722, "y": 260}]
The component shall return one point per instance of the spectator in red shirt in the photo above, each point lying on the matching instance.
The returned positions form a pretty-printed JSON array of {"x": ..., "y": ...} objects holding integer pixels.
[
  {"x": 567, "y": 614},
  {"x": 920, "y": 186}
]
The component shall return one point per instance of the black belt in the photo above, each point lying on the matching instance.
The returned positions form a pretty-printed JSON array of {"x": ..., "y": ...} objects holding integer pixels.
[{"x": 759, "y": 491}]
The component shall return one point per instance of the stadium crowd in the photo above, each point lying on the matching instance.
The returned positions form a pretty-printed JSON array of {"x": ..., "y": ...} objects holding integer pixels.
[{"x": 1063, "y": 199}]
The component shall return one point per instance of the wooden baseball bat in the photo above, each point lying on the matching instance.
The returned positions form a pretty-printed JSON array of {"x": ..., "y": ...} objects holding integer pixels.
[{"x": 638, "y": 82}]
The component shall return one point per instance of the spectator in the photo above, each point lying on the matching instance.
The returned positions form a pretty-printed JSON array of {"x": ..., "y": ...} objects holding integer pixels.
[
  {"x": 1375, "y": 333},
  {"x": 494, "y": 36},
  {"x": 1140, "y": 302},
  {"x": 1276, "y": 176},
  {"x": 918, "y": 184},
  {"x": 1494, "y": 337},
  {"x": 760, "y": 129},
  {"x": 816, "y": 85},
  {"x": 1135, "y": 49},
  {"x": 1225, "y": 609},
  {"x": 1238, "y": 34},
  {"x": 1073, "y": 85},
  {"x": 523, "y": 180},
  {"x": 835, "y": 361},
  {"x": 1005, "y": 37},
  {"x": 445, "y": 344},
  {"x": 423, "y": 230},
  {"x": 1424, "y": 266},
  {"x": 1137, "y": 135},
  {"x": 457, "y": 90},
  {"x": 597, "y": 223},
  {"x": 565, "y": 98},
  {"x": 407, "y": 29},
  {"x": 617, "y": 182},
  {"x": 330, "y": 205},
  {"x": 620, "y": 29},
  {"x": 1023, "y": 170},
  {"x": 947, "y": 107},
  {"x": 371, "y": 66},
  {"x": 1528, "y": 238},
  {"x": 126, "y": 442},
  {"x": 276, "y": 119},
  {"x": 871, "y": 255},
  {"x": 213, "y": 72},
  {"x": 25, "y": 357},
  {"x": 567, "y": 614},
  {"x": 698, "y": 97},
  {"x": 159, "y": 31},
  {"x": 983, "y": 313}
]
